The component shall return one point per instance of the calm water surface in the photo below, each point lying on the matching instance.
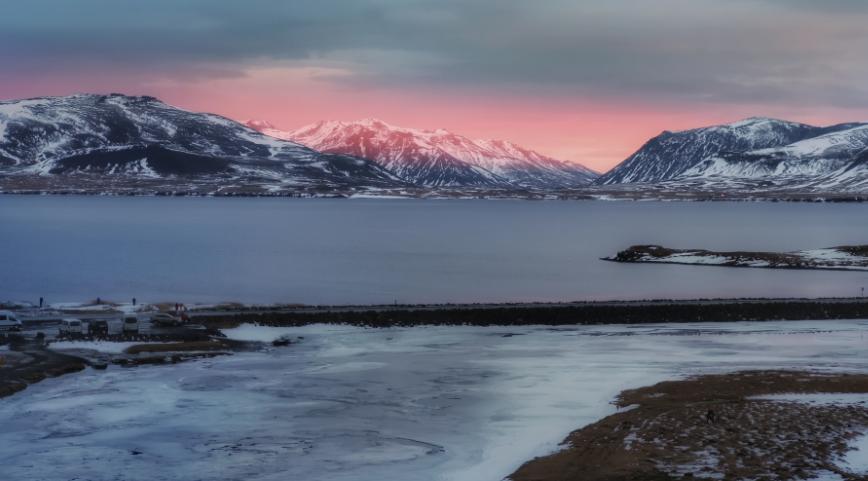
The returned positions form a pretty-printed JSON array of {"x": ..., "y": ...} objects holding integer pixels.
[{"x": 382, "y": 251}]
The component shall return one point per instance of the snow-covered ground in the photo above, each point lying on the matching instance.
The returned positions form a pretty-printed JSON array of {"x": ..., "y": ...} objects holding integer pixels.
[
  {"x": 856, "y": 460},
  {"x": 101, "y": 346},
  {"x": 252, "y": 332},
  {"x": 408, "y": 404}
]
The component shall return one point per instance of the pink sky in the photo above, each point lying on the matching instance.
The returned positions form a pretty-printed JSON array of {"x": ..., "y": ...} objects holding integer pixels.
[
  {"x": 581, "y": 80},
  {"x": 597, "y": 132}
]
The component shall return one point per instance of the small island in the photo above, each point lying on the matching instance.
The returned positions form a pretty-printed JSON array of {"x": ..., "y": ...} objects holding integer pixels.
[{"x": 836, "y": 258}]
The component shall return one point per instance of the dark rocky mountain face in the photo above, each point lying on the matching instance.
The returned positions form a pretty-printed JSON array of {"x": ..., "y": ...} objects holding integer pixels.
[{"x": 154, "y": 160}]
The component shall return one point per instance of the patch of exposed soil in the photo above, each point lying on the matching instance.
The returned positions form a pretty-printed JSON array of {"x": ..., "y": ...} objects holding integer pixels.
[
  {"x": 185, "y": 346},
  {"x": 30, "y": 363},
  {"x": 665, "y": 433}
]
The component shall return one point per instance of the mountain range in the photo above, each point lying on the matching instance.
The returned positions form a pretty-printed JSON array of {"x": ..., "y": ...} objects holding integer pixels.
[
  {"x": 122, "y": 144},
  {"x": 438, "y": 158}
]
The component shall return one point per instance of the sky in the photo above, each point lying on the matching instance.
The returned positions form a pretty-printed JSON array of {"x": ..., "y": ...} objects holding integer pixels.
[{"x": 586, "y": 81}]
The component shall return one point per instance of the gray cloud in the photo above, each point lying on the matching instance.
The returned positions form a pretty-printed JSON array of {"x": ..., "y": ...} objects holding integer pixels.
[{"x": 772, "y": 51}]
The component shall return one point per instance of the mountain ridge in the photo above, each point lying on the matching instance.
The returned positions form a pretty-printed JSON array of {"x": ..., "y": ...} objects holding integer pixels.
[
  {"x": 437, "y": 158},
  {"x": 93, "y": 143}
]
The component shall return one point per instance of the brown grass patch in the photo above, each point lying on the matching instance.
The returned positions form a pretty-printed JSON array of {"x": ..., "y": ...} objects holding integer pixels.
[{"x": 667, "y": 436}]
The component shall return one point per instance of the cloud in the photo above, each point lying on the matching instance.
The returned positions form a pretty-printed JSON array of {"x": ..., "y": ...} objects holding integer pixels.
[{"x": 692, "y": 51}]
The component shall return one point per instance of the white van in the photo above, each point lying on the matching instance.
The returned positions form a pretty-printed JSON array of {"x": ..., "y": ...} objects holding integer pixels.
[
  {"x": 8, "y": 322},
  {"x": 131, "y": 324},
  {"x": 71, "y": 326}
]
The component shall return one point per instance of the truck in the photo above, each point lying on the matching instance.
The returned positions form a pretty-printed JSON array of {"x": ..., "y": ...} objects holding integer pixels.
[{"x": 9, "y": 322}]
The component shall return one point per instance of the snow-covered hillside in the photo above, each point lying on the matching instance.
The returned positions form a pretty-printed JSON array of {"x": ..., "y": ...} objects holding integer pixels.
[
  {"x": 438, "y": 157},
  {"x": 671, "y": 154},
  {"x": 756, "y": 154},
  {"x": 836, "y": 161},
  {"x": 123, "y": 137}
]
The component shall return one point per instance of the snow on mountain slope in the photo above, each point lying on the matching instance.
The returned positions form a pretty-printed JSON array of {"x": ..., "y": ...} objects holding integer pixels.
[
  {"x": 120, "y": 135},
  {"x": 840, "y": 144},
  {"x": 438, "y": 157},
  {"x": 671, "y": 154},
  {"x": 837, "y": 160}
]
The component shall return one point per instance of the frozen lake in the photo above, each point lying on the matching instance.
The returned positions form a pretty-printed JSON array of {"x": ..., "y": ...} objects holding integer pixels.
[
  {"x": 434, "y": 403},
  {"x": 411, "y": 251}
]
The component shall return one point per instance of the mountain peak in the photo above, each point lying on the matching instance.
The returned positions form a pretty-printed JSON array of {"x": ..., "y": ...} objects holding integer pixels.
[
  {"x": 751, "y": 121},
  {"x": 259, "y": 125},
  {"x": 370, "y": 122}
]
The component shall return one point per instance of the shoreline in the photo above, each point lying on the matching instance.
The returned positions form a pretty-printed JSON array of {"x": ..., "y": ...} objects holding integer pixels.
[
  {"x": 604, "y": 196},
  {"x": 213, "y": 318},
  {"x": 27, "y": 362}
]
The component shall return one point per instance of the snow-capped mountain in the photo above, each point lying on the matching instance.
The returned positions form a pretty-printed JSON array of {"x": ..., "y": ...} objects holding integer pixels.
[
  {"x": 835, "y": 161},
  {"x": 671, "y": 154},
  {"x": 117, "y": 136},
  {"x": 438, "y": 158}
]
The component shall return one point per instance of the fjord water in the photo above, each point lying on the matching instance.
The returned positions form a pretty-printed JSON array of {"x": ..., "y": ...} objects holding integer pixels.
[{"x": 324, "y": 251}]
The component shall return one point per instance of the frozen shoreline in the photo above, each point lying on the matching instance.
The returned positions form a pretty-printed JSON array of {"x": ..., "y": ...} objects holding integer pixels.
[{"x": 423, "y": 403}]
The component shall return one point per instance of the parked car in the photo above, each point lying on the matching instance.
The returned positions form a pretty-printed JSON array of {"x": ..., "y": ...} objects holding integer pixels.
[
  {"x": 164, "y": 319},
  {"x": 131, "y": 324},
  {"x": 71, "y": 326},
  {"x": 98, "y": 327},
  {"x": 8, "y": 321}
]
